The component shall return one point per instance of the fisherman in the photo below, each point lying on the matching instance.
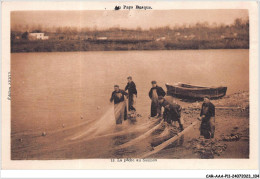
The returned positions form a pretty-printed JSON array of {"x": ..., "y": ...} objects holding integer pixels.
[
  {"x": 172, "y": 112},
  {"x": 132, "y": 93},
  {"x": 207, "y": 117},
  {"x": 120, "y": 110},
  {"x": 154, "y": 94}
]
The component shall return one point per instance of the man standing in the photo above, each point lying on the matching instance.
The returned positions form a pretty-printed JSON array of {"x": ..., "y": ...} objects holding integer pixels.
[
  {"x": 172, "y": 112},
  {"x": 132, "y": 92},
  {"x": 155, "y": 92},
  {"x": 119, "y": 104},
  {"x": 207, "y": 117}
]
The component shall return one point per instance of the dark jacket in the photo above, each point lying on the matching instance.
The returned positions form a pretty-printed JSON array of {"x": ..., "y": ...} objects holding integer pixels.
[
  {"x": 171, "y": 110},
  {"x": 131, "y": 88},
  {"x": 118, "y": 97},
  {"x": 159, "y": 90},
  {"x": 207, "y": 109}
]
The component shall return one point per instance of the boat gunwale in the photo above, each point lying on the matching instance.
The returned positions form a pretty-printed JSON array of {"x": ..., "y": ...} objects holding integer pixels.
[{"x": 197, "y": 89}]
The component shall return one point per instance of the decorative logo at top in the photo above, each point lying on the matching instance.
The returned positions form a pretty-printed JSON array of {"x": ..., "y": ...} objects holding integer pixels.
[{"x": 117, "y": 7}]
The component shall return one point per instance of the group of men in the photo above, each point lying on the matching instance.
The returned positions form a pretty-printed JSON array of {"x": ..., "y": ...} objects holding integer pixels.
[
  {"x": 172, "y": 110},
  {"x": 118, "y": 96}
]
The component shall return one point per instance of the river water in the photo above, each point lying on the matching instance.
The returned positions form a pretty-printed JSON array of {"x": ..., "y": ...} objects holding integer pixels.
[{"x": 53, "y": 91}]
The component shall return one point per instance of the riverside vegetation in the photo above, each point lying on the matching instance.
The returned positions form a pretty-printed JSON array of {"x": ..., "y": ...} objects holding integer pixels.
[{"x": 198, "y": 36}]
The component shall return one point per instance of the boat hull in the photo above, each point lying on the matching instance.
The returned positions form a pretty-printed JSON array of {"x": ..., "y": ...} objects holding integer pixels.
[{"x": 195, "y": 92}]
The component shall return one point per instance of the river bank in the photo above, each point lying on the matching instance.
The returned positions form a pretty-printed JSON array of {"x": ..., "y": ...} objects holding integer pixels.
[
  {"x": 60, "y": 105},
  {"x": 230, "y": 121},
  {"x": 121, "y": 45},
  {"x": 132, "y": 140}
]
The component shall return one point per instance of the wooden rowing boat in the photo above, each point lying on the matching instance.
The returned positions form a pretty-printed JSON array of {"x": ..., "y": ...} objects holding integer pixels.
[{"x": 188, "y": 91}]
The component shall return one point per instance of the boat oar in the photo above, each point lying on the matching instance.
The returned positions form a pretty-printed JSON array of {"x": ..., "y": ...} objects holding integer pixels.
[{"x": 169, "y": 141}]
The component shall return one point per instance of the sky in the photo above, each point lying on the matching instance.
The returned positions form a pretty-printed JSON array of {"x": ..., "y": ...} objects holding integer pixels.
[{"x": 124, "y": 18}]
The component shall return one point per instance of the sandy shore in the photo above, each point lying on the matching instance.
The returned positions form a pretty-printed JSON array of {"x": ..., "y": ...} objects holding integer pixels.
[
  {"x": 232, "y": 118},
  {"x": 78, "y": 142}
]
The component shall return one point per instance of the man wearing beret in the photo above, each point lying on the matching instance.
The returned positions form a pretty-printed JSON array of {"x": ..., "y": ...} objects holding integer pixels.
[
  {"x": 207, "y": 117},
  {"x": 118, "y": 96},
  {"x": 172, "y": 112},
  {"x": 132, "y": 92},
  {"x": 154, "y": 93}
]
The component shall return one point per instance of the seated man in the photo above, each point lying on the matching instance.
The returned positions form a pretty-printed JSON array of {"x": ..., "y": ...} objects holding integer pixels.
[{"x": 172, "y": 112}]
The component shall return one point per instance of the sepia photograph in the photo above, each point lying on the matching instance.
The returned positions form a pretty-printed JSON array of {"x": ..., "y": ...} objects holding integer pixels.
[
  {"x": 130, "y": 84},
  {"x": 180, "y": 75}
]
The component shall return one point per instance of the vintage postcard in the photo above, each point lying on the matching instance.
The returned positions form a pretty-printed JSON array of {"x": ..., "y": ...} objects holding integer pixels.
[{"x": 130, "y": 85}]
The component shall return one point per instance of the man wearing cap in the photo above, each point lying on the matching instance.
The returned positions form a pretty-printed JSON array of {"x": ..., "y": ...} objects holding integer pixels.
[
  {"x": 154, "y": 93},
  {"x": 172, "y": 112},
  {"x": 132, "y": 92},
  {"x": 118, "y": 96},
  {"x": 207, "y": 117}
]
